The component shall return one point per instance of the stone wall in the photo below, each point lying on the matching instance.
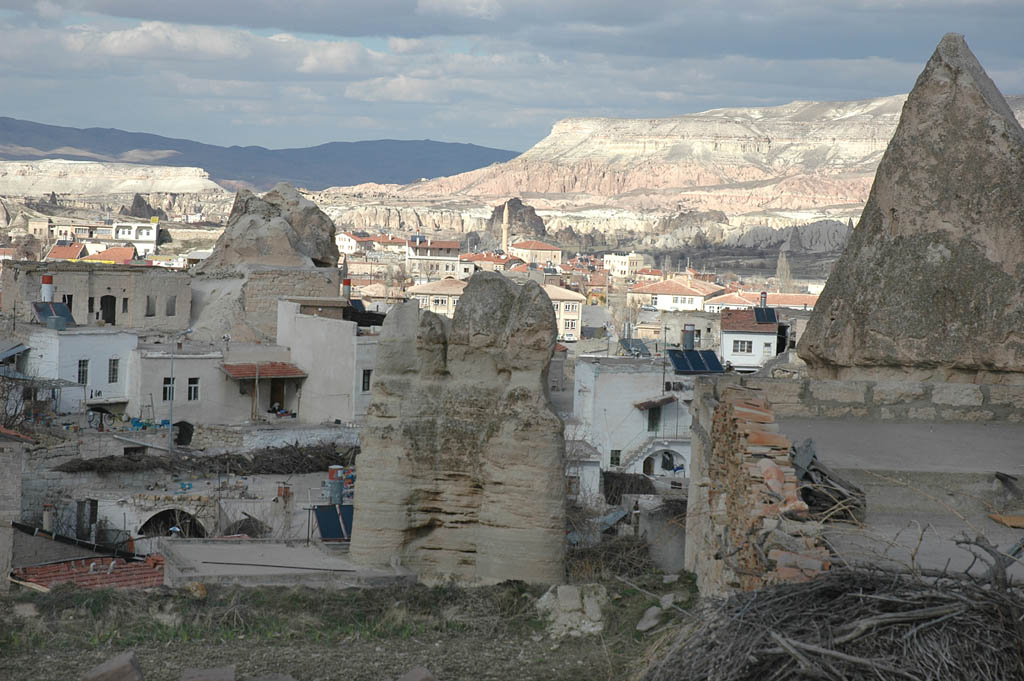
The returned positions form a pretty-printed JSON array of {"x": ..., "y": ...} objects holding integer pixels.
[
  {"x": 746, "y": 524},
  {"x": 10, "y": 505},
  {"x": 888, "y": 400},
  {"x": 263, "y": 287},
  {"x": 219, "y": 439}
]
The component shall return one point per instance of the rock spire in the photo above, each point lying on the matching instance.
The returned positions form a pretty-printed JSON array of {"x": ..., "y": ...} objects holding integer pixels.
[
  {"x": 461, "y": 469},
  {"x": 931, "y": 284}
]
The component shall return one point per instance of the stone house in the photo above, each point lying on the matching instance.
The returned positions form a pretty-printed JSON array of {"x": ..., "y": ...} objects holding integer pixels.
[
  {"x": 568, "y": 307},
  {"x": 430, "y": 259},
  {"x": 751, "y": 337},
  {"x": 126, "y": 296},
  {"x": 534, "y": 251},
  {"x": 440, "y": 297}
]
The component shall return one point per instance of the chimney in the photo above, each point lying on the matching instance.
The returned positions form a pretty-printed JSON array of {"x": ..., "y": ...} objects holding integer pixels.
[
  {"x": 764, "y": 299},
  {"x": 47, "y": 289},
  {"x": 346, "y": 288},
  {"x": 688, "y": 336}
]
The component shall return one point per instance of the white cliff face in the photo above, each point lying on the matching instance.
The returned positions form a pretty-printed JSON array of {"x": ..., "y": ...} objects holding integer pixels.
[
  {"x": 773, "y": 166},
  {"x": 35, "y": 178}
]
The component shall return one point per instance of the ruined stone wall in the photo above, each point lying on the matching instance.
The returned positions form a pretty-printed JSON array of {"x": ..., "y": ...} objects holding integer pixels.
[
  {"x": 263, "y": 287},
  {"x": 220, "y": 439},
  {"x": 10, "y": 505},
  {"x": 746, "y": 525}
]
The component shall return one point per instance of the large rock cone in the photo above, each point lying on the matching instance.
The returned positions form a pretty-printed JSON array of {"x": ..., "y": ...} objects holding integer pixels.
[
  {"x": 280, "y": 229},
  {"x": 461, "y": 472},
  {"x": 930, "y": 285}
]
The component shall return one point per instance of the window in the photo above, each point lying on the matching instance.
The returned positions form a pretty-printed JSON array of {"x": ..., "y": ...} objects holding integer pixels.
[
  {"x": 653, "y": 419},
  {"x": 68, "y": 299},
  {"x": 112, "y": 369},
  {"x": 367, "y": 373},
  {"x": 193, "y": 389},
  {"x": 83, "y": 371},
  {"x": 667, "y": 462},
  {"x": 168, "y": 394},
  {"x": 124, "y": 305},
  {"x": 675, "y": 299},
  {"x": 92, "y": 304},
  {"x": 150, "y": 306},
  {"x": 696, "y": 336},
  {"x": 172, "y": 304},
  {"x": 439, "y": 302},
  {"x": 742, "y": 346},
  {"x": 615, "y": 458},
  {"x": 570, "y": 323},
  {"x": 767, "y": 348},
  {"x": 571, "y": 307}
]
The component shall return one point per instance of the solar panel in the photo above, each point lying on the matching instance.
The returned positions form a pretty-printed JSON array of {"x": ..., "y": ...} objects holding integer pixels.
[
  {"x": 695, "y": 362},
  {"x": 765, "y": 315},
  {"x": 43, "y": 311}
]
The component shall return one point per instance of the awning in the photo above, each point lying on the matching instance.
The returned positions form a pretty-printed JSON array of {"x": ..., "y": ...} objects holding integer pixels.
[
  {"x": 252, "y": 370},
  {"x": 10, "y": 348},
  {"x": 656, "y": 402}
]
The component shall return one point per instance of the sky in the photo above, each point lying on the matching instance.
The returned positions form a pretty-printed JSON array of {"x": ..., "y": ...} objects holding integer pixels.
[{"x": 497, "y": 73}]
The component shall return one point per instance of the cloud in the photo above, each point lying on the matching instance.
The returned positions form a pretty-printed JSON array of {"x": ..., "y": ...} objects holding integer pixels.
[
  {"x": 333, "y": 57},
  {"x": 482, "y": 9},
  {"x": 157, "y": 39},
  {"x": 398, "y": 89}
]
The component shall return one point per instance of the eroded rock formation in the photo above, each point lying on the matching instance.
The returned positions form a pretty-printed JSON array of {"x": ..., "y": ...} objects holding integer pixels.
[
  {"x": 461, "y": 472},
  {"x": 523, "y": 220},
  {"x": 140, "y": 208},
  {"x": 276, "y": 245},
  {"x": 931, "y": 284}
]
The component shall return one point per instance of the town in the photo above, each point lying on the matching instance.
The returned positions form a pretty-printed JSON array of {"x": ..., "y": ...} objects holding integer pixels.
[{"x": 702, "y": 465}]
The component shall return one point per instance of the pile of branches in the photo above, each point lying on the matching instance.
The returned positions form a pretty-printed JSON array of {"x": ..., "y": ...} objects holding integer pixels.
[
  {"x": 627, "y": 556},
  {"x": 288, "y": 460},
  {"x": 857, "y": 624}
]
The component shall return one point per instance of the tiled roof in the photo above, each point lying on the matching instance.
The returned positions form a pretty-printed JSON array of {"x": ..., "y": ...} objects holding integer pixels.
[
  {"x": 743, "y": 320},
  {"x": 71, "y": 252},
  {"x": 118, "y": 254},
  {"x": 445, "y": 287},
  {"x": 486, "y": 257},
  {"x": 97, "y": 573},
  {"x": 263, "y": 370},
  {"x": 649, "y": 272},
  {"x": 672, "y": 287},
  {"x": 533, "y": 245},
  {"x": 752, "y": 298},
  {"x": 559, "y": 293}
]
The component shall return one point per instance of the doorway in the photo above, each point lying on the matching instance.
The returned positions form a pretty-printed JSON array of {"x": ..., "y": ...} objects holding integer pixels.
[{"x": 108, "y": 309}]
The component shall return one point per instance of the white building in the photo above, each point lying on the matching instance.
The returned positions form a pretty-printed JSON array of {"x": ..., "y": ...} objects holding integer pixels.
[
  {"x": 745, "y": 300},
  {"x": 429, "y": 260},
  {"x": 748, "y": 343},
  {"x": 95, "y": 358},
  {"x": 623, "y": 265},
  {"x": 568, "y": 306},
  {"x": 622, "y": 410},
  {"x": 674, "y": 295},
  {"x": 441, "y": 297}
]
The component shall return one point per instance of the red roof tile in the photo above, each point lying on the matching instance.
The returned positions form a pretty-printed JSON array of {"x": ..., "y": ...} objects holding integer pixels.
[
  {"x": 434, "y": 244},
  {"x": 263, "y": 369},
  {"x": 97, "y": 573},
  {"x": 744, "y": 320},
  {"x": 72, "y": 252},
  {"x": 117, "y": 254}
]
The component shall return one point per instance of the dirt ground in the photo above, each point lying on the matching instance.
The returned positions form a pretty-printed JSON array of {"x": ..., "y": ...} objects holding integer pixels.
[{"x": 357, "y": 635}]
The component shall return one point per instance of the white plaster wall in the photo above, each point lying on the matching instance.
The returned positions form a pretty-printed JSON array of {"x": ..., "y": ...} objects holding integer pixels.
[
  {"x": 666, "y": 303},
  {"x": 747, "y": 360},
  {"x": 55, "y": 354},
  {"x": 219, "y": 399}
]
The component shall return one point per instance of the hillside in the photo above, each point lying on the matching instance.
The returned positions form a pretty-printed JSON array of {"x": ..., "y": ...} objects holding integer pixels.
[{"x": 334, "y": 163}]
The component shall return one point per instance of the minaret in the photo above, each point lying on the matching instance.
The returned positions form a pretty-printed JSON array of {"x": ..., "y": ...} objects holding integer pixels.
[{"x": 504, "y": 230}]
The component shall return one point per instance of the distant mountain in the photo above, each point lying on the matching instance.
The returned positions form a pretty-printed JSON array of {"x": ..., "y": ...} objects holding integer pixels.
[{"x": 326, "y": 165}]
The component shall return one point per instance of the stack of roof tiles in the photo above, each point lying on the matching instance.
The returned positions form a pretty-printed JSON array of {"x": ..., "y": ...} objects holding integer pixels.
[
  {"x": 97, "y": 573},
  {"x": 756, "y": 506}
]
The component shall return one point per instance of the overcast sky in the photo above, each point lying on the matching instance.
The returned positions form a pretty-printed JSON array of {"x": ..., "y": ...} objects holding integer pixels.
[{"x": 491, "y": 72}]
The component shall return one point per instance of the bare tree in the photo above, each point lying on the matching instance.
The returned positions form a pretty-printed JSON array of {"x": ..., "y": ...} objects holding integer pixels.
[{"x": 783, "y": 276}]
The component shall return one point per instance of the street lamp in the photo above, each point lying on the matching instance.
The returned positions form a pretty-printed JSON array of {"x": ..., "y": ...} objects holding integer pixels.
[{"x": 170, "y": 423}]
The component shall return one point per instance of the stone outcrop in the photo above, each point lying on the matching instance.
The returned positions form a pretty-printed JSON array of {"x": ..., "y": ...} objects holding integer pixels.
[
  {"x": 523, "y": 220},
  {"x": 140, "y": 208},
  {"x": 931, "y": 284},
  {"x": 461, "y": 469},
  {"x": 276, "y": 245}
]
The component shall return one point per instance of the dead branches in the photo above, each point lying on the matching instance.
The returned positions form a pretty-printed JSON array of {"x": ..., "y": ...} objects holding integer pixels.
[{"x": 851, "y": 624}]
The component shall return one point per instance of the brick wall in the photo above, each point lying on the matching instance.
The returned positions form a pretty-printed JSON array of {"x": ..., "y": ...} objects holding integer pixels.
[{"x": 746, "y": 525}]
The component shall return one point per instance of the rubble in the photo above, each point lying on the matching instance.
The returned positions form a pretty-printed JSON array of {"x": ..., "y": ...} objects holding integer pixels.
[
  {"x": 574, "y": 610},
  {"x": 930, "y": 285},
  {"x": 461, "y": 467},
  {"x": 124, "y": 667}
]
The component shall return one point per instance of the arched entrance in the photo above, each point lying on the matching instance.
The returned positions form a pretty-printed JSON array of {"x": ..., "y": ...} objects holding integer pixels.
[
  {"x": 160, "y": 524},
  {"x": 665, "y": 462},
  {"x": 185, "y": 430}
]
